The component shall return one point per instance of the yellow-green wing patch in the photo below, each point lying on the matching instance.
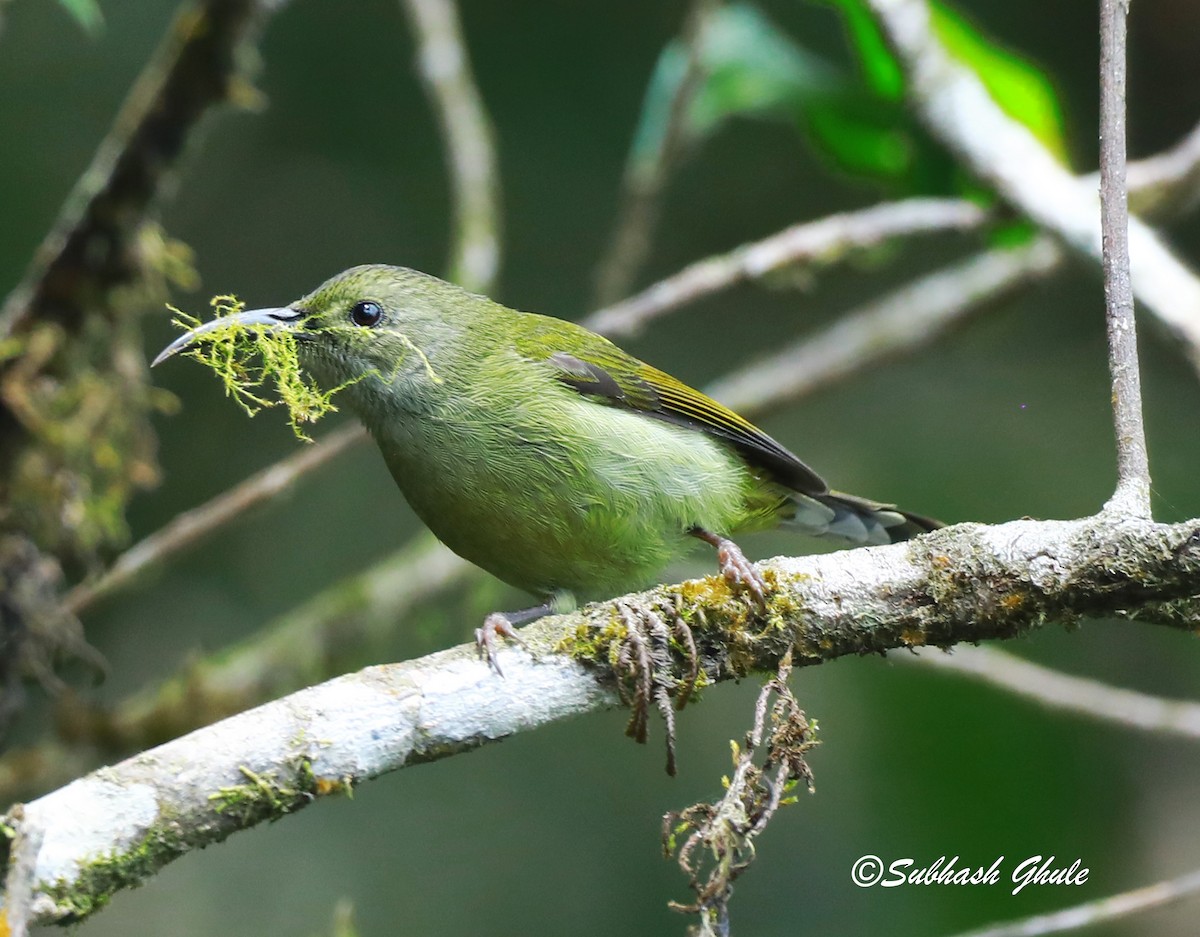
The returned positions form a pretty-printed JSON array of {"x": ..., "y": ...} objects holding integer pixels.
[{"x": 597, "y": 368}]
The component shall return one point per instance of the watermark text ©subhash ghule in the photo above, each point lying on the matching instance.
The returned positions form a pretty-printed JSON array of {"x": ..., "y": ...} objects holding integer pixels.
[{"x": 1036, "y": 870}]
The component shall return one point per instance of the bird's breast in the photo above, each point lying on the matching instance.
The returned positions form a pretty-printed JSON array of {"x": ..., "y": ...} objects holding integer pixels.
[{"x": 563, "y": 494}]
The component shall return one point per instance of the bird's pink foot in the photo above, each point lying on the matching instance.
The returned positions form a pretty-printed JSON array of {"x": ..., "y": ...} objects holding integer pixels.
[
  {"x": 504, "y": 624},
  {"x": 496, "y": 623},
  {"x": 738, "y": 571}
]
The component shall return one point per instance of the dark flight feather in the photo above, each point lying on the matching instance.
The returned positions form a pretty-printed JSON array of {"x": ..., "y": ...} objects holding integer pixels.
[{"x": 598, "y": 368}]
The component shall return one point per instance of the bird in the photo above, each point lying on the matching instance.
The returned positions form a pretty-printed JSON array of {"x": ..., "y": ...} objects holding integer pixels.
[{"x": 542, "y": 452}]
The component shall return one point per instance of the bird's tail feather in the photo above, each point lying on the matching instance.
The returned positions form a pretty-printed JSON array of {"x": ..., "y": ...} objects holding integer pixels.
[{"x": 859, "y": 521}]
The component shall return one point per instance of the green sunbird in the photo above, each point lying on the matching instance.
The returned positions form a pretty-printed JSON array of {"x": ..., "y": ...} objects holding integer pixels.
[{"x": 541, "y": 451}]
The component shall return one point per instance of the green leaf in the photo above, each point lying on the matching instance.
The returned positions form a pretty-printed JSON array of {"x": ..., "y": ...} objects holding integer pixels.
[
  {"x": 858, "y": 123},
  {"x": 1015, "y": 233},
  {"x": 882, "y": 71},
  {"x": 859, "y": 142},
  {"x": 1020, "y": 88},
  {"x": 750, "y": 68},
  {"x": 87, "y": 14}
]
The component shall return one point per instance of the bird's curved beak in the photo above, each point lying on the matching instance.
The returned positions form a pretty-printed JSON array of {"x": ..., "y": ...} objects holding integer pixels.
[{"x": 283, "y": 317}]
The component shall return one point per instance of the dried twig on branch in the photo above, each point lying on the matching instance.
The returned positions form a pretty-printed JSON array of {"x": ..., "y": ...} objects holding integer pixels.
[{"x": 718, "y": 838}]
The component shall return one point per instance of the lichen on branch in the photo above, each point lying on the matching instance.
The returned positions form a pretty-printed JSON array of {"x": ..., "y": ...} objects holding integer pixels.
[{"x": 965, "y": 583}]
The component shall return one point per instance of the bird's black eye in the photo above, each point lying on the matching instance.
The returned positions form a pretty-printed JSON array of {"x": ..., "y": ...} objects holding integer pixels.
[{"x": 367, "y": 314}]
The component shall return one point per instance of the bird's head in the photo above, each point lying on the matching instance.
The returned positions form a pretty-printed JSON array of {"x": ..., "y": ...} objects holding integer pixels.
[{"x": 387, "y": 324}]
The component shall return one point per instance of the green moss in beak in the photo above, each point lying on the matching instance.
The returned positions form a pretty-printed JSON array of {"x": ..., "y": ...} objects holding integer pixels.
[{"x": 254, "y": 354}]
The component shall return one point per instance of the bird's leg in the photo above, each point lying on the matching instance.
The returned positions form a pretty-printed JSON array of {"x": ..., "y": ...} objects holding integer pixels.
[
  {"x": 736, "y": 569},
  {"x": 504, "y": 624}
]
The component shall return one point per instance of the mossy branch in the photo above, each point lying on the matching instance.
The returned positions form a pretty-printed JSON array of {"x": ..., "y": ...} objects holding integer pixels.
[
  {"x": 75, "y": 435},
  {"x": 95, "y": 245},
  {"x": 74, "y": 400},
  {"x": 74, "y": 848}
]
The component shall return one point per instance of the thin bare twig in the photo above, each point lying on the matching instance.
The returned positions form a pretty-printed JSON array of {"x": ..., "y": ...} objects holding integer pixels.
[
  {"x": 1164, "y": 185},
  {"x": 20, "y": 882},
  {"x": 192, "y": 526},
  {"x": 468, "y": 137},
  {"x": 645, "y": 175},
  {"x": 1059, "y": 690},
  {"x": 815, "y": 242},
  {"x": 901, "y": 321},
  {"x": 1133, "y": 467},
  {"x": 1167, "y": 181},
  {"x": 1096, "y": 912}
]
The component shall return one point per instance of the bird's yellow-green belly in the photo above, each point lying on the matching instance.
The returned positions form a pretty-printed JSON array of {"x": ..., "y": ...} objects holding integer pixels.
[{"x": 599, "y": 513}]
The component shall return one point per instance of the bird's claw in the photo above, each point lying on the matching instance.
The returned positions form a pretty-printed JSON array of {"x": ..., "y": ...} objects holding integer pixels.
[
  {"x": 739, "y": 572},
  {"x": 496, "y": 623}
]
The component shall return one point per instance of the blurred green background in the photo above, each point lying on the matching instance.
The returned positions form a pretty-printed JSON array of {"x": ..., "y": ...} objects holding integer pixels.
[{"x": 557, "y": 831}]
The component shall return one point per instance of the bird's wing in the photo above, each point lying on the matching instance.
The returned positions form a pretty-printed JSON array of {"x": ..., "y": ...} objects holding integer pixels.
[{"x": 596, "y": 367}]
